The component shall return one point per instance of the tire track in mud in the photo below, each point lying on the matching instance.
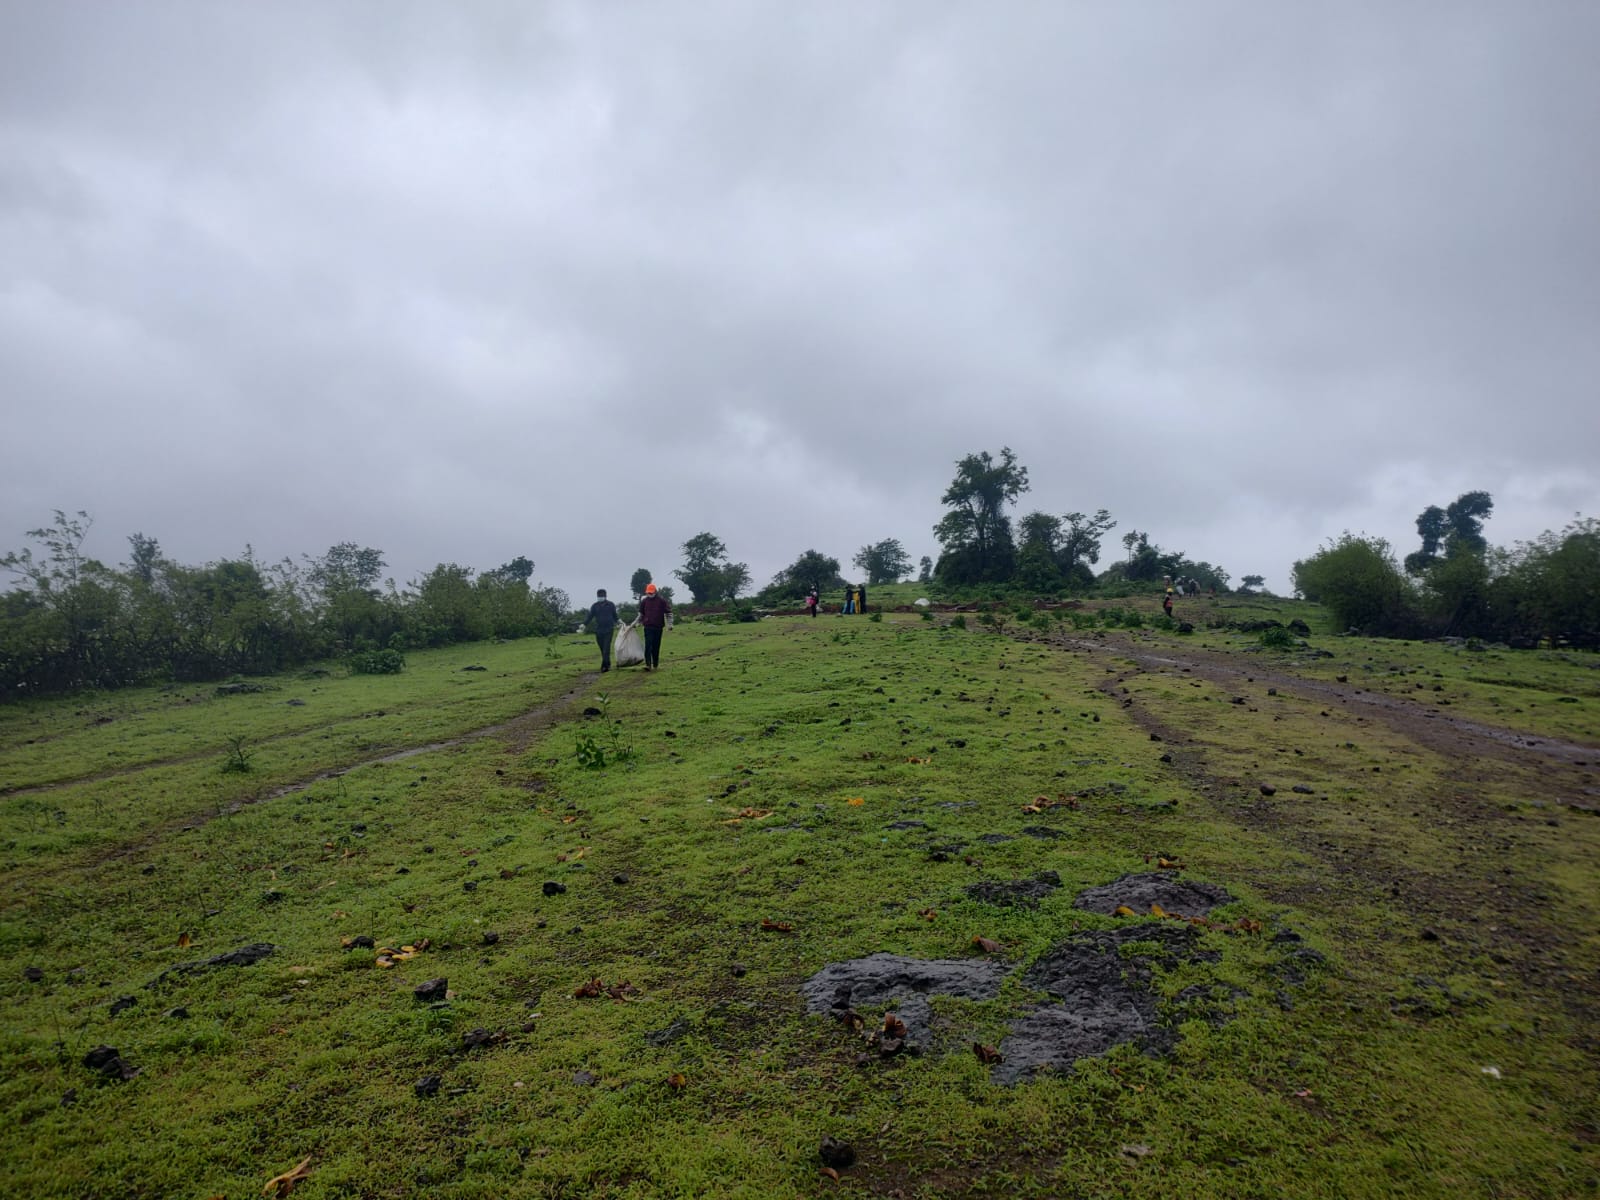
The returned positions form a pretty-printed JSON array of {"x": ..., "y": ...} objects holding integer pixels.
[{"x": 1480, "y": 905}]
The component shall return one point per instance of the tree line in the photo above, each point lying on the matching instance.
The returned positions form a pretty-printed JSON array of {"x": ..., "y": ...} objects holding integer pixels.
[
  {"x": 1457, "y": 584},
  {"x": 74, "y": 622}
]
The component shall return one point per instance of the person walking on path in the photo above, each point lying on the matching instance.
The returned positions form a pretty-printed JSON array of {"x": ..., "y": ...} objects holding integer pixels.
[
  {"x": 603, "y": 616},
  {"x": 861, "y": 598},
  {"x": 1166, "y": 602},
  {"x": 653, "y": 610},
  {"x": 812, "y": 601}
]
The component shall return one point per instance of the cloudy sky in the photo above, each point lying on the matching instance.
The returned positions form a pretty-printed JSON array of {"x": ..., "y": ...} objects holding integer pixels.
[{"x": 463, "y": 281}]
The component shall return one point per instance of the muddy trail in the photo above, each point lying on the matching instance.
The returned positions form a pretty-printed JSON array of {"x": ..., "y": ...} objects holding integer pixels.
[
  {"x": 1442, "y": 733},
  {"x": 1496, "y": 902}
]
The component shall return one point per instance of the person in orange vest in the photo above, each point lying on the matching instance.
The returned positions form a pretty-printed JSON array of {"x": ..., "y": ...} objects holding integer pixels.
[{"x": 653, "y": 610}]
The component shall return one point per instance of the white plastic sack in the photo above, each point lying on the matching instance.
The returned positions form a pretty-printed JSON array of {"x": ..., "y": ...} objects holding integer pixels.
[{"x": 627, "y": 646}]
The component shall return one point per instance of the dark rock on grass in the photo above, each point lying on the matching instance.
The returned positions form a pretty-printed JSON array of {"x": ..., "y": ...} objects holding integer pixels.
[
  {"x": 109, "y": 1063},
  {"x": 907, "y": 825},
  {"x": 1301, "y": 789},
  {"x": 994, "y": 839},
  {"x": 1292, "y": 970},
  {"x": 1043, "y": 832},
  {"x": 1020, "y": 893},
  {"x": 585, "y": 1078},
  {"x": 480, "y": 1037},
  {"x": 621, "y": 879},
  {"x": 836, "y": 1154},
  {"x": 244, "y": 956},
  {"x": 552, "y": 888},
  {"x": 427, "y": 1086},
  {"x": 490, "y": 939},
  {"x": 881, "y": 979},
  {"x": 364, "y": 941},
  {"x": 1140, "y": 891},
  {"x": 122, "y": 1004},
  {"x": 433, "y": 989},
  {"x": 1105, "y": 1000},
  {"x": 33, "y": 974},
  {"x": 69, "y": 1097},
  {"x": 474, "y": 667},
  {"x": 180, "y": 1013},
  {"x": 665, "y": 1037},
  {"x": 470, "y": 885},
  {"x": 591, "y": 711}
]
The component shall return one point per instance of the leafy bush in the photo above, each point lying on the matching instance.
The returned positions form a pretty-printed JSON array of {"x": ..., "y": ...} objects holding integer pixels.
[
  {"x": 1277, "y": 637},
  {"x": 1359, "y": 581},
  {"x": 959, "y": 621},
  {"x": 377, "y": 662},
  {"x": 875, "y": 617}
]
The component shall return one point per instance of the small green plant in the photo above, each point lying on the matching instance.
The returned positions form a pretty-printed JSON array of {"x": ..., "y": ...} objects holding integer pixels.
[
  {"x": 377, "y": 662},
  {"x": 1277, "y": 637},
  {"x": 959, "y": 621},
  {"x": 550, "y": 650},
  {"x": 238, "y": 758},
  {"x": 926, "y": 614},
  {"x": 595, "y": 753},
  {"x": 875, "y": 618}
]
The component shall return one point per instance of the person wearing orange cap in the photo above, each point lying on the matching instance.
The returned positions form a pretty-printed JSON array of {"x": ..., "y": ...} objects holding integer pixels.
[{"x": 653, "y": 610}]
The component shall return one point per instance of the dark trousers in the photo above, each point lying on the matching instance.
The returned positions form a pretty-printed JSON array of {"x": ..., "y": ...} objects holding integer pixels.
[
  {"x": 603, "y": 636},
  {"x": 652, "y": 647}
]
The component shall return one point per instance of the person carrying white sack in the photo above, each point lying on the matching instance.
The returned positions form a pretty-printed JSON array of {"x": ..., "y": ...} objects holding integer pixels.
[
  {"x": 653, "y": 611},
  {"x": 603, "y": 617}
]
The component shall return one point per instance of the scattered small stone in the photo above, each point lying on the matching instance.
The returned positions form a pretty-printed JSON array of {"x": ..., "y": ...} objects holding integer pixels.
[
  {"x": 1302, "y": 789},
  {"x": 33, "y": 974},
  {"x": 470, "y": 885},
  {"x": 1268, "y": 790},
  {"x": 837, "y": 1154},
  {"x": 122, "y": 1004},
  {"x": 109, "y": 1063},
  {"x": 69, "y": 1097},
  {"x": 552, "y": 888},
  {"x": 621, "y": 879},
  {"x": 433, "y": 989},
  {"x": 585, "y": 1078},
  {"x": 148, "y": 870},
  {"x": 739, "y": 970},
  {"x": 490, "y": 939},
  {"x": 180, "y": 1013},
  {"x": 427, "y": 1086},
  {"x": 673, "y": 1032}
]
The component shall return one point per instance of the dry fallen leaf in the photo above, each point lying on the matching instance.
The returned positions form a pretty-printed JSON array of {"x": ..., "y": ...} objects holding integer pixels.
[
  {"x": 1124, "y": 911},
  {"x": 589, "y": 990},
  {"x": 776, "y": 926},
  {"x": 856, "y": 801},
  {"x": 676, "y": 1081},
  {"x": 1157, "y": 911},
  {"x": 928, "y": 914},
  {"x": 987, "y": 1055},
  {"x": 183, "y": 941},
  {"x": 987, "y": 945},
  {"x": 893, "y": 1026},
  {"x": 831, "y": 1173},
  {"x": 1169, "y": 864},
  {"x": 282, "y": 1185}
]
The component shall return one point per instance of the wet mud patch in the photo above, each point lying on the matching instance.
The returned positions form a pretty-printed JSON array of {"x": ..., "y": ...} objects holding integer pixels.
[
  {"x": 1104, "y": 998},
  {"x": 1016, "y": 893},
  {"x": 882, "y": 979},
  {"x": 1140, "y": 891}
]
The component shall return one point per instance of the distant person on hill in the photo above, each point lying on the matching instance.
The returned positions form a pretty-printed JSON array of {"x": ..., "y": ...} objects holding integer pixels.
[
  {"x": 603, "y": 616},
  {"x": 849, "y": 599},
  {"x": 861, "y": 598},
  {"x": 1166, "y": 602},
  {"x": 653, "y": 610},
  {"x": 813, "y": 602}
]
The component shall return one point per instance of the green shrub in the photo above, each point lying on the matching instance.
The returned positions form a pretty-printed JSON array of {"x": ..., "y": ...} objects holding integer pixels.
[
  {"x": 377, "y": 662},
  {"x": 875, "y": 617},
  {"x": 1277, "y": 638},
  {"x": 959, "y": 621}
]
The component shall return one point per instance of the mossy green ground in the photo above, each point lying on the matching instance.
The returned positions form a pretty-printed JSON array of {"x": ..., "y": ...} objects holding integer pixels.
[{"x": 1369, "y": 1079}]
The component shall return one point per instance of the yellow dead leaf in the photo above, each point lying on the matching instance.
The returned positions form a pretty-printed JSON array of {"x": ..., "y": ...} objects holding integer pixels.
[
  {"x": 856, "y": 801},
  {"x": 676, "y": 1081},
  {"x": 1157, "y": 911},
  {"x": 183, "y": 941},
  {"x": 282, "y": 1185},
  {"x": 1124, "y": 911}
]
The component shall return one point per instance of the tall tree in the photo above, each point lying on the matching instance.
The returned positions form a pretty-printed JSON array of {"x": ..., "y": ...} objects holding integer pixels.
[
  {"x": 925, "y": 570},
  {"x": 884, "y": 562},
  {"x": 706, "y": 572},
  {"x": 1457, "y": 529},
  {"x": 641, "y": 580},
  {"x": 1081, "y": 541},
  {"x": 813, "y": 569},
  {"x": 976, "y": 532}
]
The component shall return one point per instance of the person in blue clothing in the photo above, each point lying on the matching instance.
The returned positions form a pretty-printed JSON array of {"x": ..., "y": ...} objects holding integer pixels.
[{"x": 603, "y": 617}]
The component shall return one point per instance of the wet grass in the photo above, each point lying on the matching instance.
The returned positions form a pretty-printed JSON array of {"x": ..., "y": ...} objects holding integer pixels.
[{"x": 769, "y": 766}]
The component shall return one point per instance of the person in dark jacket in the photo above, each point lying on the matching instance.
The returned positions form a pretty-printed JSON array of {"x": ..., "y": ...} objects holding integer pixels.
[
  {"x": 653, "y": 610},
  {"x": 861, "y": 598},
  {"x": 603, "y": 616}
]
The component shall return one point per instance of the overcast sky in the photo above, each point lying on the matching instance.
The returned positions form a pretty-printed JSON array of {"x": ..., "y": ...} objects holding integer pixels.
[{"x": 468, "y": 280}]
